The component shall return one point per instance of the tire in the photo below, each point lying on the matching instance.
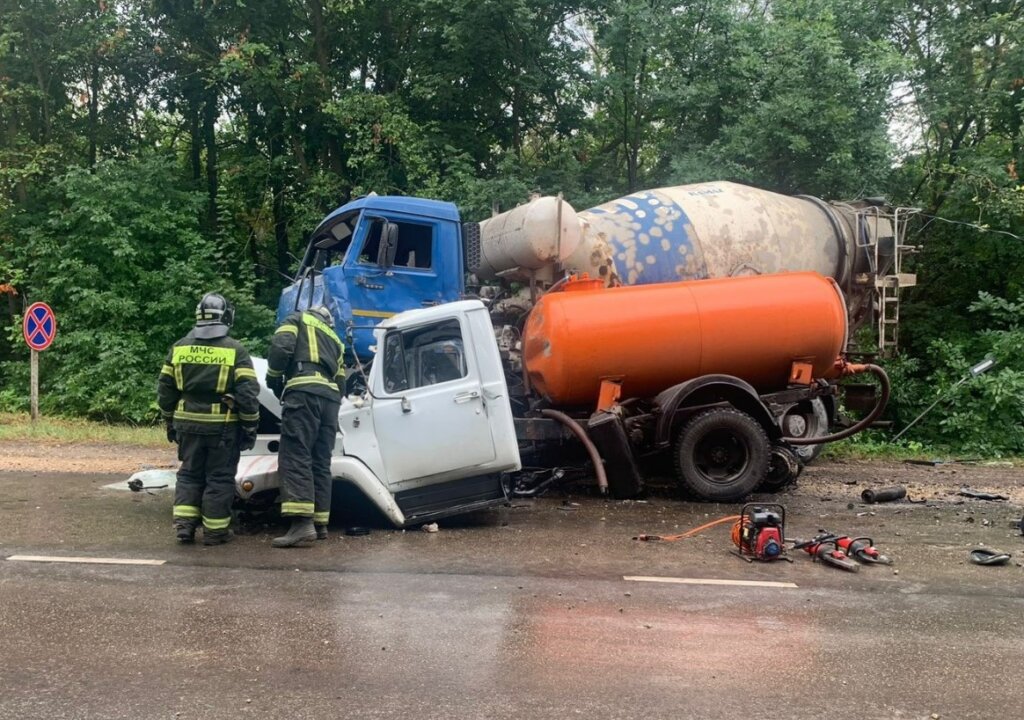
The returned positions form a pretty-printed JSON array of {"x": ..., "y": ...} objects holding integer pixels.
[
  {"x": 806, "y": 420},
  {"x": 721, "y": 455}
]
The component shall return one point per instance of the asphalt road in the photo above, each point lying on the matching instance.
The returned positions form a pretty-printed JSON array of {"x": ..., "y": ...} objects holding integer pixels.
[{"x": 522, "y": 613}]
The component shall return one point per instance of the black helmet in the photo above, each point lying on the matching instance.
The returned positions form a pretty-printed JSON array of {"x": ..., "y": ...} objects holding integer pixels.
[
  {"x": 319, "y": 311},
  {"x": 214, "y": 315}
]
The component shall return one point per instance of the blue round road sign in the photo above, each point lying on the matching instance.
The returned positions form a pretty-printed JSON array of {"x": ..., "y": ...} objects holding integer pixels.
[{"x": 39, "y": 326}]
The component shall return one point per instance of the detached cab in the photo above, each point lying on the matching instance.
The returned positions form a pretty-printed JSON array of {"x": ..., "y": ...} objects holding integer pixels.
[{"x": 432, "y": 435}]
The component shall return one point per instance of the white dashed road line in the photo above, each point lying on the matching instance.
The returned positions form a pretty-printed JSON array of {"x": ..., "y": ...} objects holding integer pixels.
[
  {"x": 85, "y": 560},
  {"x": 709, "y": 581}
]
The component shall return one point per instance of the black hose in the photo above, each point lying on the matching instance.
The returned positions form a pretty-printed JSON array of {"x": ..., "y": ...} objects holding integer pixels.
[
  {"x": 883, "y": 379},
  {"x": 581, "y": 435}
]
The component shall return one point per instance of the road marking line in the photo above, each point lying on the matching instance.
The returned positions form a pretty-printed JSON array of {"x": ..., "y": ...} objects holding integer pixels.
[
  {"x": 709, "y": 581},
  {"x": 85, "y": 560}
]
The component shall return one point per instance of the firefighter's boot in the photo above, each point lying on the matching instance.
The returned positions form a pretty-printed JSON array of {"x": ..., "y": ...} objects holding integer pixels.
[
  {"x": 301, "y": 531},
  {"x": 321, "y": 532},
  {"x": 185, "y": 532},
  {"x": 217, "y": 538}
]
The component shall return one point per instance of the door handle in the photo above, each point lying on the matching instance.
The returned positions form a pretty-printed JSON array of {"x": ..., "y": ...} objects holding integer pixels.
[
  {"x": 467, "y": 396},
  {"x": 362, "y": 282}
]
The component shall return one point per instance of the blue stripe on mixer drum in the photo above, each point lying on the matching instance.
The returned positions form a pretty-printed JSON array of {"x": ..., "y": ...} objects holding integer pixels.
[{"x": 650, "y": 237}]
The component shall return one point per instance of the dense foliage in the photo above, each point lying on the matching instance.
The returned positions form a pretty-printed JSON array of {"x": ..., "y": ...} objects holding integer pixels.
[{"x": 154, "y": 149}]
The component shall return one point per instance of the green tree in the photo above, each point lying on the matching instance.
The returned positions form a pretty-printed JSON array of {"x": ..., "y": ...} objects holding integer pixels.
[{"x": 119, "y": 255}]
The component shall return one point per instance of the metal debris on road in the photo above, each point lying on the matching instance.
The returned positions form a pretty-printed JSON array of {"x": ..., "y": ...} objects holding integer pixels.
[
  {"x": 979, "y": 495},
  {"x": 889, "y": 494},
  {"x": 984, "y": 556}
]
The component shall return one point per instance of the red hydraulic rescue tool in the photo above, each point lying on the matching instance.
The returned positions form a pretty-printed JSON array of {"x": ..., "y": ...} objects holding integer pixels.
[{"x": 841, "y": 550}]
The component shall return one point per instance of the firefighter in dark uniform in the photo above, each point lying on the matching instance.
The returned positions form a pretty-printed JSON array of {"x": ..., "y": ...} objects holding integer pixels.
[
  {"x": 207, "y": 394},
  {"x": 306, "y": 370}
]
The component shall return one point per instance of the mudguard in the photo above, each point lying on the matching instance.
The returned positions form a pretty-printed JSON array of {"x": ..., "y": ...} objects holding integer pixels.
[{"x": 710, "y": 389}]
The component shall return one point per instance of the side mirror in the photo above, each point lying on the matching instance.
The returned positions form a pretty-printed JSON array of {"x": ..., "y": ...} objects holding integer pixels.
[{"x": 388, "y": 245}]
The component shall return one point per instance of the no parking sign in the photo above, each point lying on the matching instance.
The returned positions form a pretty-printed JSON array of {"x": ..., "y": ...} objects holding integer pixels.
[{"x": 39, "y": 326}]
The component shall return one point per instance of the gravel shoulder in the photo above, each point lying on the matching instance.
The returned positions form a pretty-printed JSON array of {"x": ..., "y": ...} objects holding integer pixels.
[{"x": 89, "y": 458}]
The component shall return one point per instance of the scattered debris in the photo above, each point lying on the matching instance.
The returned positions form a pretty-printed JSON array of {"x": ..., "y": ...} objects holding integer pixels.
[
  {"x": 135, "y": 485},
  {"x": 978, "y": 495},
  {"x": 881, "y": 495},
  {"x": 984, "y": 556},
  {"x": 430, "y": 528}
]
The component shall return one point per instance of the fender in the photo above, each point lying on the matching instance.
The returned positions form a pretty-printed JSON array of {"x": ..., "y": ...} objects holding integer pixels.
[
  {"x": 259, "y": 466},
  {"x": 709, "y": 390},
  {"x": 349, "y": 469}
]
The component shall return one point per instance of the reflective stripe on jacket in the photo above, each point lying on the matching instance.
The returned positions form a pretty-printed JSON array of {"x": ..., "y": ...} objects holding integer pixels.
[
  {"x": 195, "y": 379},
  {"x": 309, "y": 355}
]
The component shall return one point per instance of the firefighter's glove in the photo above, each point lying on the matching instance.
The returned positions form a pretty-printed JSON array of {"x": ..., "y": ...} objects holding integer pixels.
[
  {"x": 172, "y": 436},
  {"x": 276, "y": 385},
  {"x": 248, "y": 439}
]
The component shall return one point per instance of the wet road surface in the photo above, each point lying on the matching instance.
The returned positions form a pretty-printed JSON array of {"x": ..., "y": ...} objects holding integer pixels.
[{"x": 519, "y": 613}]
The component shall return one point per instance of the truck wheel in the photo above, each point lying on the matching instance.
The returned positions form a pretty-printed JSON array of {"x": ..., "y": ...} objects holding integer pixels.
[
  {"x": 721, "y": 455},
  {"x": 806, "y": 420}
]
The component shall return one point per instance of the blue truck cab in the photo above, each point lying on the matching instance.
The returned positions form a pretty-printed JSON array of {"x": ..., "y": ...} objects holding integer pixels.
[{"x": 375, "y": 257}]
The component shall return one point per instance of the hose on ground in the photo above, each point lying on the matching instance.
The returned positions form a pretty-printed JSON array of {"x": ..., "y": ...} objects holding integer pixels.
[
  {"x": 595, "y": 457},
  {"x": 883, "y": 380}
]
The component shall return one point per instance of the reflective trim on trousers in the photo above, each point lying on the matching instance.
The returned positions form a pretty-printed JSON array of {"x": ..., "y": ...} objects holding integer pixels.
[
  {"x": 186, "y": 511},
  {"x": 321, "y": 518},
  {"x": 216, "y": 523},
  {"x": 304, "y": 509}
]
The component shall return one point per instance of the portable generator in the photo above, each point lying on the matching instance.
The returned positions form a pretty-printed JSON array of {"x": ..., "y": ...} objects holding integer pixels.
[{"x": 760, "y": 532}]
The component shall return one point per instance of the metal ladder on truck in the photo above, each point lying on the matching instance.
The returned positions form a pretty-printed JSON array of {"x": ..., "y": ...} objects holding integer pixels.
[{"x": 885, "y": 257}]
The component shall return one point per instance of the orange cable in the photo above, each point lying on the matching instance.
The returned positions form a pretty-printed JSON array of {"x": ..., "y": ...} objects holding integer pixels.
[{"x": 689, "y": 533}]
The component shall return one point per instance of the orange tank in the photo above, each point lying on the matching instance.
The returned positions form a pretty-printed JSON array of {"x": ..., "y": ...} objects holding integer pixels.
[{"x": 651, "y": 337}]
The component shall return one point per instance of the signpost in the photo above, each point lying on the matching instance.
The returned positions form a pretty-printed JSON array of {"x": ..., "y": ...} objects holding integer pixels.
[{"x": 39, "y": 328}]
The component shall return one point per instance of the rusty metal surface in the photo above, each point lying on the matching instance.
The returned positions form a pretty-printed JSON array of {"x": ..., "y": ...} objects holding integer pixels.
[
  {"x": 718, "y": 229},
  {"x": 529, "y": 237}
]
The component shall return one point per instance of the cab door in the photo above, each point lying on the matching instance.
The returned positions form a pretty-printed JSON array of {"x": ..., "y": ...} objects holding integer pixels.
[
  {"x": 431, "y": 412},
  {"x": 394, "y": 265}
]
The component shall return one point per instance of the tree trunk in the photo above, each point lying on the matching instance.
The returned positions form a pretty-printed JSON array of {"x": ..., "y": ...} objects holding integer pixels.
[
  {"x": 277, "y": 187},
  {"x": 210, "y": 141},
  {"x": 323, "y": 60},
  {"x": 94, "y": 107},
  {"x": 196, "y": 148}
]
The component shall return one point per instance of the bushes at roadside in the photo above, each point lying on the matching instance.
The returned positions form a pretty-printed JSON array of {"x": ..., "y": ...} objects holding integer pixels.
[{"x": 120, "y": 256}]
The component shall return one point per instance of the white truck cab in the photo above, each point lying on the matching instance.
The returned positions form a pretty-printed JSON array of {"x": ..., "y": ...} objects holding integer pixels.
[{"x": 433, "y": 433}]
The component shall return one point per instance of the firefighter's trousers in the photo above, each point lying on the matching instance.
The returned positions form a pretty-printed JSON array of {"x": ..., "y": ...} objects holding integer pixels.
[
  {"x": 205, "y": 487},
  {"x": 309, "y": 426}
]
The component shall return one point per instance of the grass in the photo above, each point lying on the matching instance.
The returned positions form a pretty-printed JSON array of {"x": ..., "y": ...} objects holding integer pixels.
[
  {"x": 859, "y": 448},
  {"x": 55, "y": 430}
]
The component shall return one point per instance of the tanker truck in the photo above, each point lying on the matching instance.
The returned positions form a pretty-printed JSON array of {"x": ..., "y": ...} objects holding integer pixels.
[
  {"x": 377, "y": 256},
  {"x": 699, "y": 372}
]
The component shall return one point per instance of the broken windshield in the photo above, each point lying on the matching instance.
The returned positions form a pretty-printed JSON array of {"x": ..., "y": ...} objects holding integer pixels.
[{"x": 332, "y": 241}]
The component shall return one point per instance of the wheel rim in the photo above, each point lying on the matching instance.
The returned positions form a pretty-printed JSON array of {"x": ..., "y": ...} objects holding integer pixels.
[
  {"x": 721, "y": 456},
  {"x": 797, "y": 425}
]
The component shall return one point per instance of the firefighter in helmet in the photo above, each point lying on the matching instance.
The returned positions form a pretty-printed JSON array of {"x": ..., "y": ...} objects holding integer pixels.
[
  {"x": 306, "y": 370},
  {"x": 207, "y": 394}
]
